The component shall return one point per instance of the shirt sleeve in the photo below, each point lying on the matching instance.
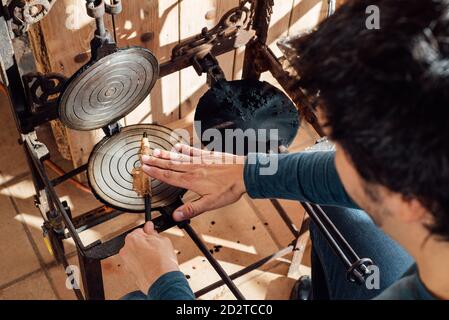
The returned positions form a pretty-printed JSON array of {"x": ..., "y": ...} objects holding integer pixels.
[
  {"x": 306, "y": 177},
  {"x": 171, "y": 286}
]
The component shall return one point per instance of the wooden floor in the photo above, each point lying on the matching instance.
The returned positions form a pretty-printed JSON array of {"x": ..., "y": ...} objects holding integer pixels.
[{"x": 246, "y": 232}]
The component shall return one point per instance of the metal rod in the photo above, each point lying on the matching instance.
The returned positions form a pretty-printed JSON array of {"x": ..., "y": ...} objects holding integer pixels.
[
  {"x": 147, "y": 196},
  {"x": 218, "y": 268},
  {"x": 92, "y": 277},
  {"x": 337, "y": 234},
  {"x": 356, "y": 267},
  {"x": 65, "y": 264},
  {"x": 54, "y": 198},
  {"x": 94, "y": 217},
  {"x": 330, "y": 239},
  {"x": 330, "y": 7},
  {"x": 245, "y": 270},
  {"x": 329, "y": 227},
  {"x": 262, "y": 18},
  {"x": 63, "y": 175},
  {"x": 96, "y": 9},
  {"x": 101, "y": 30},
  {"x": 290, "y": 225},
  {"x": 147, "y": 200}
]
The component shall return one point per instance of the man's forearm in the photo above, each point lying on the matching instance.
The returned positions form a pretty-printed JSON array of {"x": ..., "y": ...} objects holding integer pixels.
[{"x": 306, "y": 176}]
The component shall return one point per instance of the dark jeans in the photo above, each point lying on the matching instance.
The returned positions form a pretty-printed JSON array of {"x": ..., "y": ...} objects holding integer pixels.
[{"x": 328, "y": 272}]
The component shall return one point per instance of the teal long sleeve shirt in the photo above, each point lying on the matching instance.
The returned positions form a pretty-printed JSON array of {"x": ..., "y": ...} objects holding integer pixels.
[{"x": 307, "y": 177}]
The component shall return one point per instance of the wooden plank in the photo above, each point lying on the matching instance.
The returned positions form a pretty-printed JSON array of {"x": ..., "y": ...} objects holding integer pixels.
[
  {"x": 279, "y": 24},
  {"x": 295, "y": 270},
  {"x": 153, "y": 25},
  {"x": 280, "y": 20},
  {"x": 307, "y": 14},
  {"x": 193, "y": 17}
]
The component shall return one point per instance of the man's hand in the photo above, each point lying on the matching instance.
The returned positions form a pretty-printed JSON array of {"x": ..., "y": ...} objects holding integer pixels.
[
  {"x": 216, "y": 177},
  {"x": 147, "y": 256}
]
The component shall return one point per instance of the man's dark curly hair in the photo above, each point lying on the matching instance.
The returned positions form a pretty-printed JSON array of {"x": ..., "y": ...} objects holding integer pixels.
[{"x": 385, "y": 95}]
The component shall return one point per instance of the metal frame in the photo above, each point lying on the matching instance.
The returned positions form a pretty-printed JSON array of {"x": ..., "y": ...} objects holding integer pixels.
[{"x": 59, "y": 223}]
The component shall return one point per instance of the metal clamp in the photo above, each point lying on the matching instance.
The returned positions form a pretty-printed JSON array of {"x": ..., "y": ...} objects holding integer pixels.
[
  {"x": 37, "y": 148},
  {"x": 43, "y": 90},
  {"x": 112, "y": 129},
  {"x": 235, "y": 25},
  {"x": 41, "y": 202},
  {"x": 27, "y": 12},
  {"x": 103, "y": 43},
  {"x": 209, "y": 65},
  {"x": 114, "y": 7},
  {"x": 95, "y": 8}
]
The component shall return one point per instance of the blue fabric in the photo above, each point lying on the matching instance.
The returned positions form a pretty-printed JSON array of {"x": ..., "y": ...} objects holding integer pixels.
[
  {"x": 312, "y": 177},
  {"x": 170, "y": 286},
  {"x": 409, "y": 287},
  {"x": 368, "y": 241},
  {"x": 135, "y": 295},
  {"x": 306, "y": 176}
]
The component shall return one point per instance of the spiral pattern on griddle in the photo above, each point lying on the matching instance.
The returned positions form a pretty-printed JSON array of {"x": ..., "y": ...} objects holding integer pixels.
[
  {"x": 108, "y": 89},
  {"x": 113, "y": 159}
]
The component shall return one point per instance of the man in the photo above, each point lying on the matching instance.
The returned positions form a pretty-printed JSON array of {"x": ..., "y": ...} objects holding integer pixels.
[{"x": 384, "y": 101}]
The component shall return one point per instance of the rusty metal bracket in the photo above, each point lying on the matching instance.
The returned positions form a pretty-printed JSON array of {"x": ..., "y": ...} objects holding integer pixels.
[
  {"x": 37, "y": 148},
  {"x": 209, "y": 65},
  {"x": 40, "y": 95},
  {"x": 103, "y": 43},
  {"x": 43, "y": 90},
  {"x": 261, "y": 24},
  {"x": 114, "y": 7},
  {"x": 27, "y": 12},
  {"x": 233, "y": 26}
]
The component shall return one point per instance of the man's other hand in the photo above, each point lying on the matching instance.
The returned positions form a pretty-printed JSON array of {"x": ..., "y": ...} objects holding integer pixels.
[
  {"x": 147, "y": 256},
  {"x": 217, "y": 177}
]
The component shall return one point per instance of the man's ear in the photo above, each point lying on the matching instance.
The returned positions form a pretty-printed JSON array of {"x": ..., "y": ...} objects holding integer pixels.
[{"x": 411, "y": 210}]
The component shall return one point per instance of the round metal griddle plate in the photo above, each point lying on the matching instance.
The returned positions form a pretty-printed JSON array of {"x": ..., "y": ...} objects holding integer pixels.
[
  {"x": 247, "y": 104},
  {"x": 108, "y": 89},
  {"x": 113, "y": 159}
]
